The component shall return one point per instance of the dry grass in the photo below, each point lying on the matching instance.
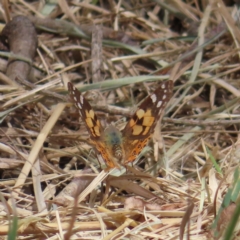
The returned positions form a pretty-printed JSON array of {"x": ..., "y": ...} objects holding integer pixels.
[{"x": 180, "y": 179}]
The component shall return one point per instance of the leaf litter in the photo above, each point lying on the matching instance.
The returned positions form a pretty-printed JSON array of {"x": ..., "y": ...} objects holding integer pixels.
[{"x": 186, "y": 179}]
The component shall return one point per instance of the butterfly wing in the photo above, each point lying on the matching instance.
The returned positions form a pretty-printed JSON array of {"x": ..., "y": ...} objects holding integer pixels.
[
  {"x": 93, "y": 125},
  {"x": 141, "y": 125}
]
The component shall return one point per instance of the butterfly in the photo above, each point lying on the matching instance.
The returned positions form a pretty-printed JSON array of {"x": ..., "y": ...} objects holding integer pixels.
[{"x": 122, "y": 147}]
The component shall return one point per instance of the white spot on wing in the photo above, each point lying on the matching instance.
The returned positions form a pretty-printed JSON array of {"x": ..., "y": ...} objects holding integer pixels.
[
  {"x": 163, "y": 86},
  {"x": 164, "y": 97},
  {"x": 153, "y": 97},
  {"x": 81, "y": 99},
  {"x": 79, "y": 105},
  {"x": 159, "y": 104},
  {"x": 74, "y": 98}
]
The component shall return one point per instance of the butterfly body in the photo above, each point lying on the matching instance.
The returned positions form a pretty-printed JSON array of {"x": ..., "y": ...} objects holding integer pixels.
[
  {"x": 113, "y": 140},
  {"x": 121, "y": 147}
]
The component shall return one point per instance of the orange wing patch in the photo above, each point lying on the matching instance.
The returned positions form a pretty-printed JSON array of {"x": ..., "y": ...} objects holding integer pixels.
[
  {"x": 108, "y": 159},
  {"x": 138, "y": 146},
  {"x": 93, "y": 123}
]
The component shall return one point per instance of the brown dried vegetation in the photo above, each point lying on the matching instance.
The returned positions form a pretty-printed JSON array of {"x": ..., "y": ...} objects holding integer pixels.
[{"x": 118, "y": 51}]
